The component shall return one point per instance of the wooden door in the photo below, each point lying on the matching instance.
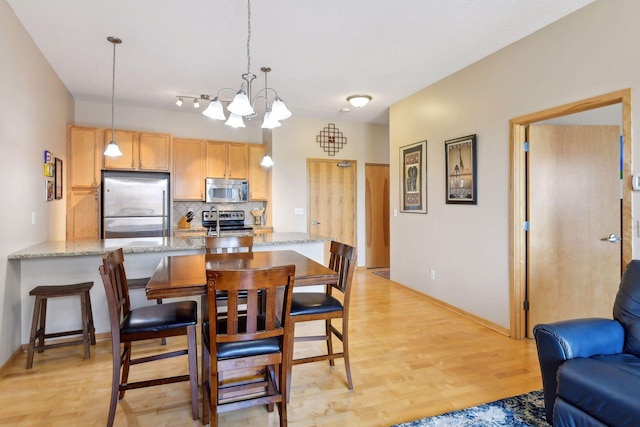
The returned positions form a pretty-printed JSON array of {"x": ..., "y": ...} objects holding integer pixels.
[
  {"x": 573, "y": 203},
  {"x": 188, "y": 169},
  {"x": 332, "y": 199},
  {"x": 153, "y": 152},
  {"x": 377, "y": 215}
]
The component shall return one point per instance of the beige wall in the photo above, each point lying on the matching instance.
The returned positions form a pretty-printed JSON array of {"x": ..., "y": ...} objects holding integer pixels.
[
  {"x": 590, "y": 52},
  {"x": 34, "y": 112}
]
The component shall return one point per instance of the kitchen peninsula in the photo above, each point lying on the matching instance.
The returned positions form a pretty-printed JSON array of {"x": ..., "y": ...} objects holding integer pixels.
[{"x": 67, "y": 262}]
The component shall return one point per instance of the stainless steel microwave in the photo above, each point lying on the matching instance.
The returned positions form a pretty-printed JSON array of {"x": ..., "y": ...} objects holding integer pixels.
[{"x": 220, "y": 190}]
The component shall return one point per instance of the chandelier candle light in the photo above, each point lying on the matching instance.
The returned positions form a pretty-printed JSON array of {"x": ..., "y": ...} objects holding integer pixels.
[
  {"x": 243, "y": 103},
  {"x": 112, "y": 148}
]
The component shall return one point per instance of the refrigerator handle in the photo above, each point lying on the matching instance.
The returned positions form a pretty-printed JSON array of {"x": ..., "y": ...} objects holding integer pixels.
[{"x": 164, "y": 213}]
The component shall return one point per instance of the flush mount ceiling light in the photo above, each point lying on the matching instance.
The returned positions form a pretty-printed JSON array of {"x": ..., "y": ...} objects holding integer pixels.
[
  {"x": 112, "y": 148},
  {"x": 242, "y": 105},
  {"x": 359, "y": 100}
]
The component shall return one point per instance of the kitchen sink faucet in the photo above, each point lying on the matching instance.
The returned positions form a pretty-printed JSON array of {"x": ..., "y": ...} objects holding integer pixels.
[{"x": 211, "y": 210}]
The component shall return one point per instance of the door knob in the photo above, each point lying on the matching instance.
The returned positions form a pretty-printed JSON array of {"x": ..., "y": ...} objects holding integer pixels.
[
  {"x": 613, "y": 238},
  {"x": 314, "y": 222}
]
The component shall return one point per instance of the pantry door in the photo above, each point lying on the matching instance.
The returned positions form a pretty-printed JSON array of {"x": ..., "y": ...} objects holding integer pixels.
[{"x": 332, "y": 199}]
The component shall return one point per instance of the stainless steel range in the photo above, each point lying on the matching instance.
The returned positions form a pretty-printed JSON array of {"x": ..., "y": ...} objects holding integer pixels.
[{"x": 225, "y": 223}]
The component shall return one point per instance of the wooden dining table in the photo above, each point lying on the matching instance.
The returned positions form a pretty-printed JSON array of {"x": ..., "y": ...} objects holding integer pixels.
[{"x": 185, "y": 275}]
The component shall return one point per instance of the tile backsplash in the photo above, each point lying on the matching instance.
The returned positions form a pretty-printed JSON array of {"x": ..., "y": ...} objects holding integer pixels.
[{"x": 180, "y": 209}]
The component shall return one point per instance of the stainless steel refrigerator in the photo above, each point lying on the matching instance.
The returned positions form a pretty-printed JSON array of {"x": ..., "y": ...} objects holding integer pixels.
[{"x": 135, "y": 204}]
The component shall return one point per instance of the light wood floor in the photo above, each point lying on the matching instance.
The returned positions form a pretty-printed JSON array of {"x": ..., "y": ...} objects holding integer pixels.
[{"x": 410, "y": 359}]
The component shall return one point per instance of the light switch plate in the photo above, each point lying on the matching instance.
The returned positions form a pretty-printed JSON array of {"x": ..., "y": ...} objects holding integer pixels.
[{"x": 298, "y": 211}]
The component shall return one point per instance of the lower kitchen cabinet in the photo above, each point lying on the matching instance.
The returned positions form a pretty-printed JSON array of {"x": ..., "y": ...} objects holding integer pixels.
[{"x": 83, "y": 214}]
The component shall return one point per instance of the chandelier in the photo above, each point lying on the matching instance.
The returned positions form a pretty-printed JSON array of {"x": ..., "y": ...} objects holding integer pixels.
[{"x": 243, "y": 103}]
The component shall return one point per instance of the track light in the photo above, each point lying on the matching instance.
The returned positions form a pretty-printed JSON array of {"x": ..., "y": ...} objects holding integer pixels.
[
  {"x": 179, "y": 101},
  {"x": 196, "y": 104}
]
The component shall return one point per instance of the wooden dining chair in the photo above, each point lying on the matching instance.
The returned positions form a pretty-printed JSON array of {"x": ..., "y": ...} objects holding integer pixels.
[
  {"x": 149, "y": 322},
  {"x": 228, "y": 244},
  {"x": 326, "y": 306},
  {"x": 245, "y": 347}
]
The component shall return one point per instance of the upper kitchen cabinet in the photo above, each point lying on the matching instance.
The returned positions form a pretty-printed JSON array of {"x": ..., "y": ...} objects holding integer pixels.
[
  {"x": 227, "y": 160},
  {"x": 258, "y": 175},
  {"x": 188, "y": 169},
  {"x": 85, "y": 157},
  {"x": 140, "y": 151},
  {"x": 85, "y": 147}
]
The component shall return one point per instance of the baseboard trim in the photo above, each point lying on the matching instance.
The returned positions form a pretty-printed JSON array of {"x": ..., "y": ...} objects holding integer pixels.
[
  {"x": 484, "y": 322},
  {"x": 5, "y": 368}
]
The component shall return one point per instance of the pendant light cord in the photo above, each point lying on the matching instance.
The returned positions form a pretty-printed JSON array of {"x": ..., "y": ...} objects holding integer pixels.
[
  {"x": 113, "y": 91},
  {"x": 248, "y": 36}
]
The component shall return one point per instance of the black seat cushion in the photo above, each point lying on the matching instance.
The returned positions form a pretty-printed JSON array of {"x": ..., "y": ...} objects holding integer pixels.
[
  {"x": 160, "y": 317},
  {"x": 313, "y": 303},
  {"x": 232, "y": 350},
  {"x": 605, "y": 387}
]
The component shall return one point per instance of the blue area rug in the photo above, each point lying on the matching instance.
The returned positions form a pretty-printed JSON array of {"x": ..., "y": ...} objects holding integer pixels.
[{"x": 520, "y": 411}]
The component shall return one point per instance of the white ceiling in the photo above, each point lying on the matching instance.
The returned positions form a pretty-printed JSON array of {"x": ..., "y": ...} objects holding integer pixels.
[{"x": 320, "y": 51}]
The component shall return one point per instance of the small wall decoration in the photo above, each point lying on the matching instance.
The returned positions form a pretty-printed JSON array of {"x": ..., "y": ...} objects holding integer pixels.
[
  {"x": 461, "y": 175},
  {"x": 58, "y": 178},
  {"x": 48, "y": 195},
  {"x": 48, "y": 163},
  {"x": 413, "y": 178},
  {"x": 331, "y": 139}
]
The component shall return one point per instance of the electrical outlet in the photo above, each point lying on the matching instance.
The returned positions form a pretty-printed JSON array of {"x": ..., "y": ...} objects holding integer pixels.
[{"x": 433, "y": 275}]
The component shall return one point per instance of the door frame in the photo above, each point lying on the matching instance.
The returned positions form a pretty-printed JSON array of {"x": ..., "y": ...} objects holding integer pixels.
[{"x": 518, "y": 194}]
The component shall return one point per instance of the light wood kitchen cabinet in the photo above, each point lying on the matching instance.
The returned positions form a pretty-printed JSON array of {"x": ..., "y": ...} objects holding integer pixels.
[
  {"x": 82, "y": 182},
  {"x": 84, "y": 156},
  {"x": 188, "y": 169},
  {"x": 141, "y": 151},
  {"x": 227, "y": 160},
  {"x": 258, "y": 175},
  {"x": 83, "y": 215}
]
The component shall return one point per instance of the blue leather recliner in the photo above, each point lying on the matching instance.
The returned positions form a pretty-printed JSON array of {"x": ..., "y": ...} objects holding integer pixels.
[{"x": 591, "y": 367}]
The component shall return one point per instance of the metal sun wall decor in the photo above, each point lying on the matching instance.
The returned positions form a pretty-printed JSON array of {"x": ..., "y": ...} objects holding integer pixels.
[{"x": 331, "y": 139}]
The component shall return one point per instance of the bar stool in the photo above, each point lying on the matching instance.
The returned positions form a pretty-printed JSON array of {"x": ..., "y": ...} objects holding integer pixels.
[{"x": 42, "y": 293}]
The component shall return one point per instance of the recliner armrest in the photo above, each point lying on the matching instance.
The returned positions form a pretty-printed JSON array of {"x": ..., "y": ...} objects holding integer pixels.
[{"x": 560, "y": 341}]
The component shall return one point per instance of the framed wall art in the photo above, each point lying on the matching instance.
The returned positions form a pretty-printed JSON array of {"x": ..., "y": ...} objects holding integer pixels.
[
  {"x": 58, "y": 178},
  {"x": 461, "y": 173},
  {"x": 413, "y": 178}
]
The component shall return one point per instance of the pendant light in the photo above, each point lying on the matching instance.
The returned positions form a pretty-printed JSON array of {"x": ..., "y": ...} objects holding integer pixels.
[{"x": 112, "y": 148}]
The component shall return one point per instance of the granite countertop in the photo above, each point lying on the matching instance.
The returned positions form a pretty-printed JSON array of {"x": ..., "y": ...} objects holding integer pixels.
[{"x": 149, "y": 244}]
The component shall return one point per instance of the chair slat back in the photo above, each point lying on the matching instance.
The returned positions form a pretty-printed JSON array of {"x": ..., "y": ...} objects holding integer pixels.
[
  {"x": 260, "y": 311},
  {"x": 343, "y": 261},
  {"x": 113, "y": 265},
  {"x": 228, "y": 244}
]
